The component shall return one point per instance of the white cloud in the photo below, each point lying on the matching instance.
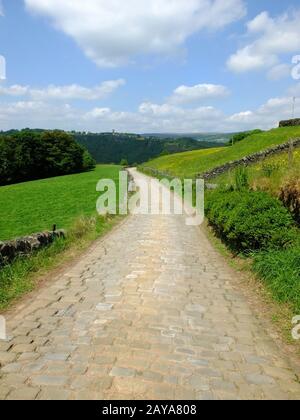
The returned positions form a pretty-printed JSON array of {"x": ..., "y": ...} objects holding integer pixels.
[
  {"x": 248, "y": 59},
  {"x": 149, "y": 117},
  {"x": 148, "y": 108},
  {"x": 189, "y": 94},
  {"x": 35, "y": 114},
  {"x": 1, "y": 8},
  {"x": 14, "y": 90},
  {"x": 167, "y": 110},
  {"x": 114, "y": 33},
  {"x": 279, "y": 71},
  {"x": 270, "y": 38},
  {"x": 65, "y": 93},
  {"x": 78, "y": 92},
  {"x": 294, "y": 91},
  {"x": 266, "y": 116},
  {"x": 97, "y": 113}
]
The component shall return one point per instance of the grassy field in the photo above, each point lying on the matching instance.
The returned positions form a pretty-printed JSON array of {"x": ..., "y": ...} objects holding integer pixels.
[
  {"x": 190, "y": 164},
  {"x": 68, "y": 201},
  {"x": 268, "y": 175},
  {"x": 35, "y": 206}
]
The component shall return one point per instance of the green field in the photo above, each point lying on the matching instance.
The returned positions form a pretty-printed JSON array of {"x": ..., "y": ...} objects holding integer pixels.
[
  {"x": 190, "y": 164},
  {"x": 35, "y": 206}
]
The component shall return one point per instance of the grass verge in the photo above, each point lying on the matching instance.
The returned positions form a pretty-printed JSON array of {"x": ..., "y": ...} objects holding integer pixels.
[
  {"x": 25, "y": 273},
  {"x": 37, "y": 205},
  {"x": 260, "y": 296}
]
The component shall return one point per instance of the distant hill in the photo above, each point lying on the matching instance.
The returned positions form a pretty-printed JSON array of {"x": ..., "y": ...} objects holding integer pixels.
[
  {"x": 207, "y": 137},
  {"x": 134, "y": 148},
  {"x": 112, "y": 148}
]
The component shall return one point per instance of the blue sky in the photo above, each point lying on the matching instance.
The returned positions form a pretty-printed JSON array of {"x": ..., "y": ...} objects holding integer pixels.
[{"x": 149, "y": 66}]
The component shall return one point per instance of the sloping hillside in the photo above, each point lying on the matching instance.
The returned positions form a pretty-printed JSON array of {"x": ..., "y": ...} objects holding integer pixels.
[
  {"x": 112, "y": 148},
  {"x": 37, "y": 205},
  {"x": 193, "y": 163}
]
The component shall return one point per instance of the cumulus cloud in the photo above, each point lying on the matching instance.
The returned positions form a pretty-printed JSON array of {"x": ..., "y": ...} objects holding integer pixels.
[
  {"x": 78, "y": 92},
  {"x": 114, "y": 33},
  {"x": 14, "y": 90},
  {"x": 66, "y": 93},
  {"x": 39, "y": 111},
  {"x": 270, "y": 38},
  {"x": 149, "y": 117},
  {"x": 34, "y": 114},
  {"x": 280, "y": 71},
  {"x": 266, "y": 116},
  {"x": 198, "y": 93},
  {"x": 167, "y": 110},
  {"x": 148, "y": 108}
]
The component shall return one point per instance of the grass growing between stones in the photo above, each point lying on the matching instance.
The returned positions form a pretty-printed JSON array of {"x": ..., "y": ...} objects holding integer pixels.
[{"x": 69, "y": 202}]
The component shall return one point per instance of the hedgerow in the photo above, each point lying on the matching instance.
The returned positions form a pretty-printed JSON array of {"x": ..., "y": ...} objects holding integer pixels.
[{"x": 250, "y": 221}]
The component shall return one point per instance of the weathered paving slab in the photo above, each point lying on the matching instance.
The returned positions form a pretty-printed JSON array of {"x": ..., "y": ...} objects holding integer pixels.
[{"x": 151, "y": 312}]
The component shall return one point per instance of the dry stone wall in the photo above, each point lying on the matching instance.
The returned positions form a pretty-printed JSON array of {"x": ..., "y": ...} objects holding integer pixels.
[
  {"x": 9, "y": 250},
  {"x": 248, "y": 160},
  {"x": 290, "y": 123}
]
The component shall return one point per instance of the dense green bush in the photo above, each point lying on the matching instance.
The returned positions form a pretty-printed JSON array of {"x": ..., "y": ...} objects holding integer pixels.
[
  {"x": 241, "y": 178},
  {"x": 236, "y": 138},
  {"x": 29, "y": 155},
  {"x": 249, "y": 220},
  {"x": 281, "y": 272}
]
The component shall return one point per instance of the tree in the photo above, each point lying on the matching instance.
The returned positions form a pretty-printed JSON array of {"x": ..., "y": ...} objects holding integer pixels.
[
  {"x": 124, "y": 162},
  {"x": 236, "y": 138},
  {"x": 32, "y": 154},
  {"x": 88, "y": 162}
]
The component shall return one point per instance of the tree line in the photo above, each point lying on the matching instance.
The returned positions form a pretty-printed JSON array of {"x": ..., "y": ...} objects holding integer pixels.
[
  {"x": 34, "y": 154},
  {"x": 134, "y": 148}
]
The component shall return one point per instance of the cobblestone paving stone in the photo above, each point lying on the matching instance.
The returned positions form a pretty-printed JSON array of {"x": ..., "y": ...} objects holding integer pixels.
[{"x": 149, "y": 313}]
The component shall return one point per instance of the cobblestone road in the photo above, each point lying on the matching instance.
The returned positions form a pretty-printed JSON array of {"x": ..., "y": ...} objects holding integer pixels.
[{"x": 150, "y": 313}]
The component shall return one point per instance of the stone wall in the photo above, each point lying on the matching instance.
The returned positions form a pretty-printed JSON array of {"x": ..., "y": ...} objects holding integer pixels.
[
  {"x": 157, "y": 174},
  {"x": 290, "y": 123},
  {"x": 248, "y": 160},
  {"x": 9, "y": 250}
]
